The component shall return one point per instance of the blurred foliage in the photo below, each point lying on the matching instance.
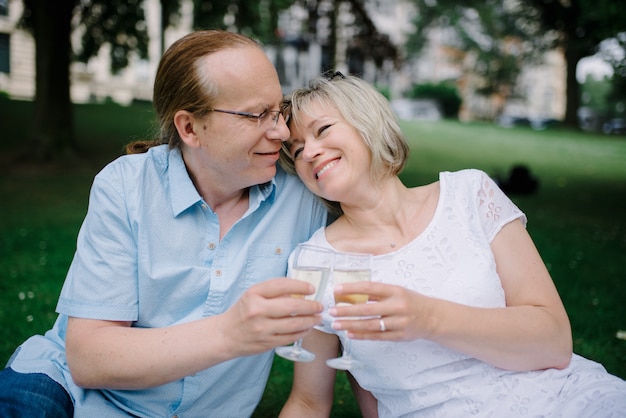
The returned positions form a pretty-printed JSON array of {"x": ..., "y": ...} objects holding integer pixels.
[
  {"x": 502, "y": 35},
  {"x": 119, "y": 23},
  {"x": 494, "y": 34},
  {"x": 257, "y": 19},
  {"x": 617, "y": 97},
  {"x": 445, "y": 93},
  {"x": 595, "y": 93}
]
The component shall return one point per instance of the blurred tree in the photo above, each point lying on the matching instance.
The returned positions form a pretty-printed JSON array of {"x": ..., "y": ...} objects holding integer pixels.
[
  {"x": 369, "y": 42},
  {"x": 258, "y": 19},
  {"x": 580, "y": 26},
  {"x": 169, "y": 16},
  {"x": 617, "y": 57},
  {"x": 120, "y": 23},
  {"x": 594, "y": 94},
  {"x": 52, "y": 133},
  {"x": 616, "y": 99},
  {"x": 445, "y": 93},
  {"x": 486, "y": 27}
]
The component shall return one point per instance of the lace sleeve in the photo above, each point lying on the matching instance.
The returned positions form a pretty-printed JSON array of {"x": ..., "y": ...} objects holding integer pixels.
[{"x": 494, "y": 207}]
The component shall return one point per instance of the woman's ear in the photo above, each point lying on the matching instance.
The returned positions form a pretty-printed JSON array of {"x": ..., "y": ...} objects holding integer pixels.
[{"x": 184, "y": 122}]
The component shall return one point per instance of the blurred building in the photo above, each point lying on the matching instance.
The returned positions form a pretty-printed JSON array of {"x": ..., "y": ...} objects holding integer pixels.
[
  {"x": 541, "y": 89},
  {"x": 92, "y": 81},
  {"x": 17, "y": 53}
]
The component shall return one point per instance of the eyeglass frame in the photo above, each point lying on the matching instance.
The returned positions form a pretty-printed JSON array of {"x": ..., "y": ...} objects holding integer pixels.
[{"x": 260, "y": 118}]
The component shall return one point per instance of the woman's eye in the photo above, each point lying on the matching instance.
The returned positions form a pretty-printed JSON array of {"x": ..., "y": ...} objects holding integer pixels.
[
  {"x": 322, "y": 129},
  {"x": 297, "y": 152}
]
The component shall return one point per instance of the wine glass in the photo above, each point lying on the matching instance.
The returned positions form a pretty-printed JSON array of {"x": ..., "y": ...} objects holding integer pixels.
[
  {"x": 311, "y": 264},
  {"x": 350, "y": 268}
]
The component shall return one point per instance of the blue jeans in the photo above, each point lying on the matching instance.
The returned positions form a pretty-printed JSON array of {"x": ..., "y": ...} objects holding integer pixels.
[{"x": 32, "y": 395}]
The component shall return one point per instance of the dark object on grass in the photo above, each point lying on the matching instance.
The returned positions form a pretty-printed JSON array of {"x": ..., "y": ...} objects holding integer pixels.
[
  {"x": 616, "y": 126},
  {"x": 520, "y": 181}
]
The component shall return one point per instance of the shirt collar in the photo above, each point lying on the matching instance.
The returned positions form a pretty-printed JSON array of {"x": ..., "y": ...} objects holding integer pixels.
[
  {"x": 260, "y": 193},
  {"x": 184, "y": 194}
]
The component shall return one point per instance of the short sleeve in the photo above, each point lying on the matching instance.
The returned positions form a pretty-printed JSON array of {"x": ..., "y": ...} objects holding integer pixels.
[
  {"x": 494, "y": 207},
  {"x": 101, "y": 282}
]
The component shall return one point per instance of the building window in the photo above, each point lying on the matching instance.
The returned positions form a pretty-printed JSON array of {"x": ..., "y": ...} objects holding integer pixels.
[
  {"x": 4, "y": 7},
  {"x": 5, "y": 61}
]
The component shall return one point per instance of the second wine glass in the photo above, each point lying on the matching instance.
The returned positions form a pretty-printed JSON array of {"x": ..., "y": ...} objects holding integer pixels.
[
  {"x": 311, "y": 264},
  {"x": 350, "y": 268}
]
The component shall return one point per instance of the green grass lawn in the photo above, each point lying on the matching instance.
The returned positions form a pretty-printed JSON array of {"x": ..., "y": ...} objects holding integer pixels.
[{"x": 577, "y": 218}]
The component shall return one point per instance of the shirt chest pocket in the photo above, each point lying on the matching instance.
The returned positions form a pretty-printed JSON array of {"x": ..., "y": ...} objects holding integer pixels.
[{"x": 266, "y": 261}]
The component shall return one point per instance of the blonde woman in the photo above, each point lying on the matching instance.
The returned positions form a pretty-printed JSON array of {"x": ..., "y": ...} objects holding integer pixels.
[{"x": 466, "y": 320}]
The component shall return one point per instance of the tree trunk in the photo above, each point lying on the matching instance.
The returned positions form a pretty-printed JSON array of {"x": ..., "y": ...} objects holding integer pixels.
[
  {"x": 572, "y": 57},
  {"x": 53, "y": 122}
]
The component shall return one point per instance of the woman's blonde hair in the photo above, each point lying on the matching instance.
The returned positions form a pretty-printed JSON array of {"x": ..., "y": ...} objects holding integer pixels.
[
  {"x": 364, "y": 108},
  {"x": 183, "y": 83}
]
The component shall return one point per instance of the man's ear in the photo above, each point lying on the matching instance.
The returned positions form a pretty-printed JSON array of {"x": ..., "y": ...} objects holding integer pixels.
[{"x": 184, "y": 122}]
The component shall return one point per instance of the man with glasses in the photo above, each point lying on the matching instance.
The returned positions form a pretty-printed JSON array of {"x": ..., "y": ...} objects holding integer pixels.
[{"x": 175, "y": 297}]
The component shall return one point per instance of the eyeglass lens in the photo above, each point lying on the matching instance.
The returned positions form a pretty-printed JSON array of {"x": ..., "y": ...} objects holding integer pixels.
[{"x": 269, "y": 114}]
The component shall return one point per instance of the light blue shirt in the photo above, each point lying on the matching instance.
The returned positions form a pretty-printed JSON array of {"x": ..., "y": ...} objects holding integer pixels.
[{"x": 149, "y": 252}]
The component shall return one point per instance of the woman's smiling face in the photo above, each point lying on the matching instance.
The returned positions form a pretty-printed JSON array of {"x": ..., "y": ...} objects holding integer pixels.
[{"x": 329, "y": 154}]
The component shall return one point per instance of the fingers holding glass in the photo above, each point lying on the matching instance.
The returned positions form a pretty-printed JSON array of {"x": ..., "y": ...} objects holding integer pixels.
[
  {"x": 350, "y": 268},
  {"x": 313, "y": 265}
]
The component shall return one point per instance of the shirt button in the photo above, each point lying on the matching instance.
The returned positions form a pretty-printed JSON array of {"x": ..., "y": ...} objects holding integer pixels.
[
  {"x": 204, "y": 206},
  {"x": 211, "y": 246},
  {"x": 278, "y": 251},
  {"x": 218, "y": 273}
]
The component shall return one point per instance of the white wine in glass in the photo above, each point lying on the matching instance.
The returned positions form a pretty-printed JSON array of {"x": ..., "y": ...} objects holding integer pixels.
[
  {"x": 310, "y": 264},
  {"x": 350, "y": 268}
]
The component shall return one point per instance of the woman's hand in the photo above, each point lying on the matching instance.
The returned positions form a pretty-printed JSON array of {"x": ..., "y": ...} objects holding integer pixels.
[{"x": 405, "y": 314}]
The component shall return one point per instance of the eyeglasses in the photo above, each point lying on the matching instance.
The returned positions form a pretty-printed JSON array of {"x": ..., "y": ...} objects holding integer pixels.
[{"x": 260, "y": 118}]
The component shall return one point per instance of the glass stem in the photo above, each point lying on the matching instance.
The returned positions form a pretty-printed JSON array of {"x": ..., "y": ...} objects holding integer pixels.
[
  {"x": 347, "y": 350},
  {"x": 298, "y": 345}
]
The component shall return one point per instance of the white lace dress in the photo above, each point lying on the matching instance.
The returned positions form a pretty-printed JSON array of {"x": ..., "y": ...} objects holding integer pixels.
[{"x": 452, "y": 260}]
